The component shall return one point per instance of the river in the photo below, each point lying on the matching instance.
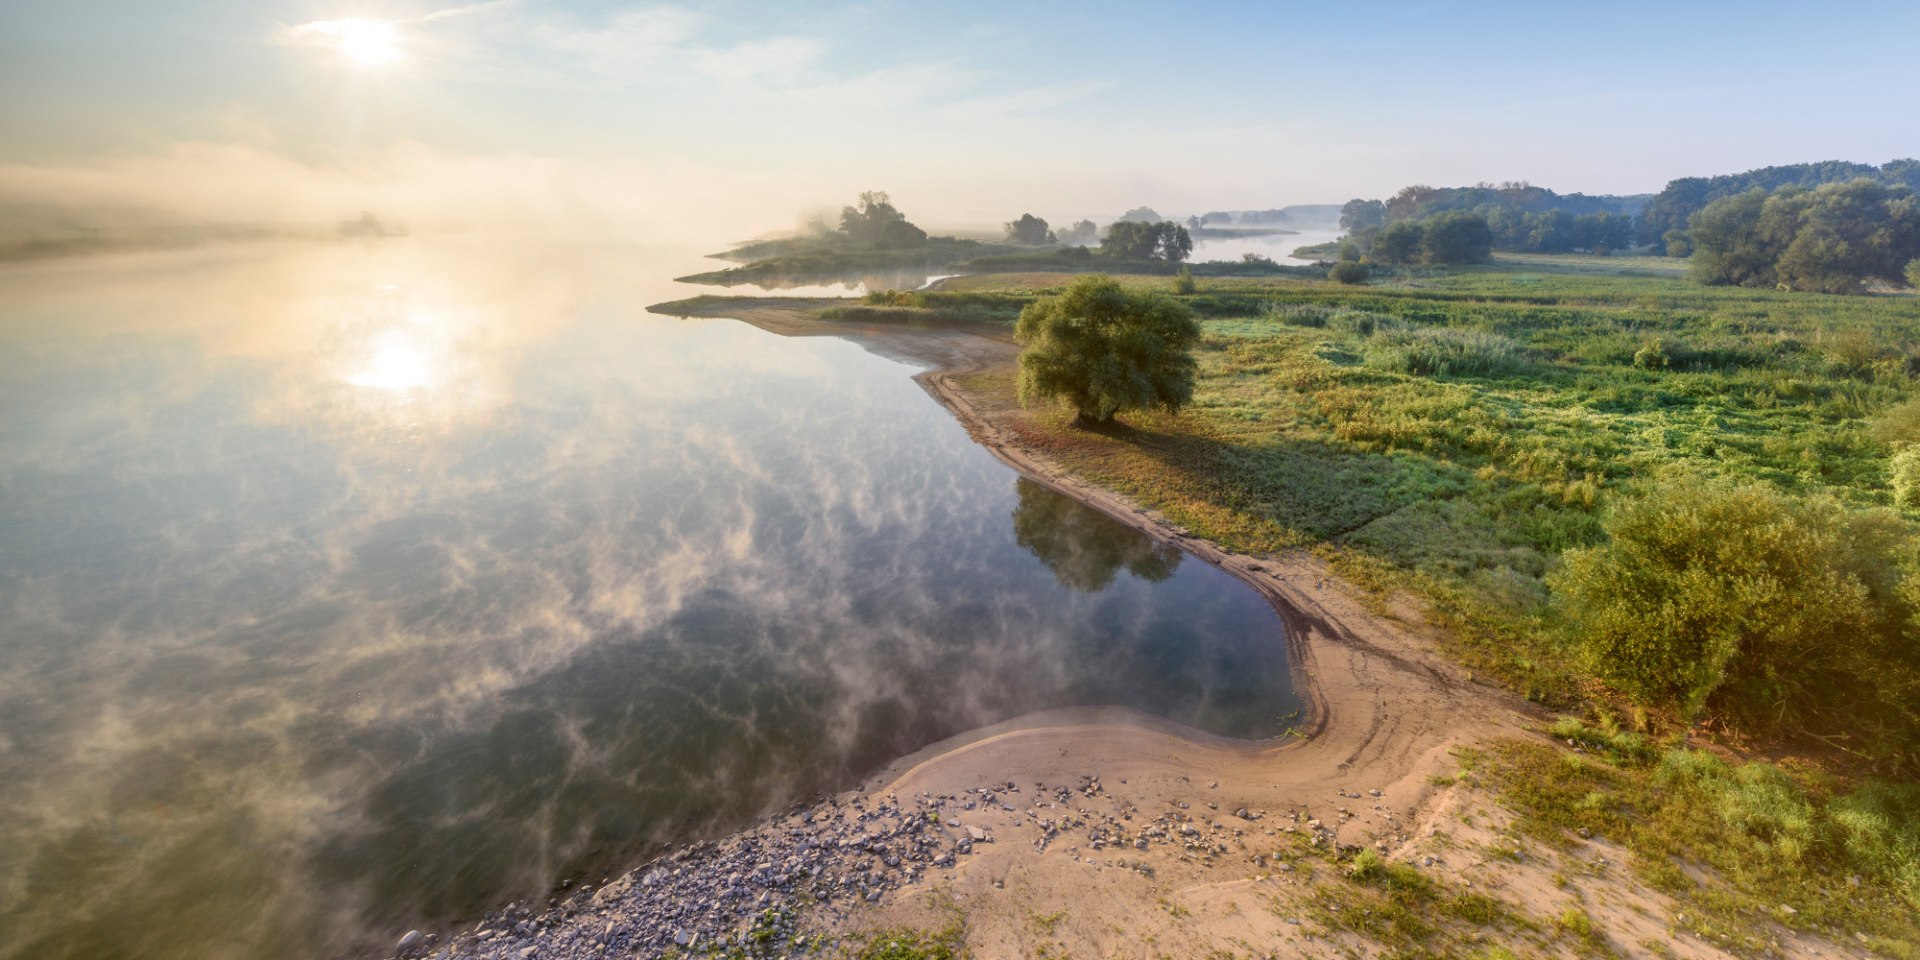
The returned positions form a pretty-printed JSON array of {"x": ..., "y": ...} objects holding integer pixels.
[{"x": 347, "y": 588}]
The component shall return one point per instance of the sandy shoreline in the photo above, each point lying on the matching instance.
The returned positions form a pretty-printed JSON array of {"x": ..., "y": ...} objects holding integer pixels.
[{"x": 1105, "y": 832}]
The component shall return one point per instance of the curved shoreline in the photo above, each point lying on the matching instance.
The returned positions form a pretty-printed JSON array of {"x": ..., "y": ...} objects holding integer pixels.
[{"x": 1165, "y": 814}]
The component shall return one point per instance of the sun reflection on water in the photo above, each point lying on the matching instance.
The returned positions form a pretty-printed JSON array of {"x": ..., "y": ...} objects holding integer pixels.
[{"x": 397, "y": 360}]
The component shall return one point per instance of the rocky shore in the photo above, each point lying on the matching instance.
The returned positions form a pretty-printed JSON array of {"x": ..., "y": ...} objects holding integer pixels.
[{"x": 786, "y": 887}]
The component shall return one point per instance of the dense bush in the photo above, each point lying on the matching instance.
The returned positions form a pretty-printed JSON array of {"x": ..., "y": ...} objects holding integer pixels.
[
  {"x": 1349, "y": 271},
  {"x": 1903, "y": 474},
  {"x": 1443, "y": 351},
  {"x": 1105, "y": 350},
  {"x": 1777, "y": 612}
]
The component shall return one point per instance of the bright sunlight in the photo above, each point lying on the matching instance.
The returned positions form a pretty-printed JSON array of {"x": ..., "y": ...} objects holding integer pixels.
[{"x": 363, "y": 42}]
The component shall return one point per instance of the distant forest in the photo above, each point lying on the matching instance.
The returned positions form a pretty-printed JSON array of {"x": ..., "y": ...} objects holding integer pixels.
[
  {"x": 1832, "y": 227},
  {"x": 1673, "y": 207}
]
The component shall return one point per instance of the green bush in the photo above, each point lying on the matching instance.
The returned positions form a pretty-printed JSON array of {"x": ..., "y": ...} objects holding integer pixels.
[
  {"x": 1878, "y": 827},
  {"x": 1443, "y": 351},
  {"x": 1349, "y": 271},
  {"x": 1183, "y": 283},
  {"x": 1361, "y": 324},
  {"x": 1763, "y": 817},
  {"x": 1913, "y": 273},
  {"x": 1899, "y": 424},
  {"x": 1778, "y": 612},
  {"x": 1903, "y": 472},
  {"x": 1653, "y": 356}
]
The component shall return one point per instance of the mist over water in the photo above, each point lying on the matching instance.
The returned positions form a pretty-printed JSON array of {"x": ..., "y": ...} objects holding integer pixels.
[{"x": 348, "y": 588}]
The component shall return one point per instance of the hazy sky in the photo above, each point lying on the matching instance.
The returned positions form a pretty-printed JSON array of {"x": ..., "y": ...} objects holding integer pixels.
[{"x": 964, "y": 112}]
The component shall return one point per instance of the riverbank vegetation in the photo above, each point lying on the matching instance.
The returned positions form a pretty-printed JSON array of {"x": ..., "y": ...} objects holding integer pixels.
[
  {"x": 874, "y": 237},
  {"x": 1537, "y": 452},
  {"x": 1691, "y": 513},
  {"x": 1825, "y": 227}
]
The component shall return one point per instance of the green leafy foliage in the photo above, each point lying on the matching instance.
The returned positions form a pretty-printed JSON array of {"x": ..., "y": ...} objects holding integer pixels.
[
  {"x": 1447, "y": 238},
  {"x": 1667, "y": 213},
  {"x": 1777, "y": 611},
  {"x": 913, "y": 945},
  {"x": 1104, "y": 350},
  {"x": 1349, "y": 272},
  {"x": 1903, "y": 475},
  {"x": 1828, "y": 240},
  {"x": 1136, "y": 240},
  {"x": 1837, "y": 853}
]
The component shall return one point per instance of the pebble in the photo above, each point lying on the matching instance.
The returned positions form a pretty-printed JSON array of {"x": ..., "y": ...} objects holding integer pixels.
[{"x": 742, "y": 896}]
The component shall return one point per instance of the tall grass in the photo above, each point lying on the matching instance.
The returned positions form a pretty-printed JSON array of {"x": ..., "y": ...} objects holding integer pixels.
[{"x": 1444, "y": 351}]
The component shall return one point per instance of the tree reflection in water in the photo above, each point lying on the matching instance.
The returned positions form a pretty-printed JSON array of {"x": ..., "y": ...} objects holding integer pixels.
[{"x": 1085, "y": 549}]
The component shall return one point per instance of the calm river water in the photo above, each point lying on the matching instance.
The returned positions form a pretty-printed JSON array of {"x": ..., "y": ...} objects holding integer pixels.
[{"x": 349, "y": 588}]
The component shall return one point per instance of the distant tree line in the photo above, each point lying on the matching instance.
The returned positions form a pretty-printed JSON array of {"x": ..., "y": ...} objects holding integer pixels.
[
  {"x": 1520, "y": 217},
  {"x": 1830, "y": 239},
  {"x": 1445, "y": 238},
  {"x": 1663, "y": 222}
]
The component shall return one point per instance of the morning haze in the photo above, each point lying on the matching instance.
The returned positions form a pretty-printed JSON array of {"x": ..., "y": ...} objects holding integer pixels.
[{"x": 521, "y": 480}]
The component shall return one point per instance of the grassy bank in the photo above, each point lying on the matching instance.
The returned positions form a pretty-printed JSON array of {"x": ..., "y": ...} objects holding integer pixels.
[
  {"x": 1456, "y": 434},
  {"x": 1459, "y": 435}
]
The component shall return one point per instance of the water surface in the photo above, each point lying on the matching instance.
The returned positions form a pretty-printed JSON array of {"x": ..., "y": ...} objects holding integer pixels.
[{"x": 349, "y": 588}]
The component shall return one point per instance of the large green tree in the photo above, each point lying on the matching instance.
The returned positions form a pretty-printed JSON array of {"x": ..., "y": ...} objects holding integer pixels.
[{"x": 1103, "y": 350}]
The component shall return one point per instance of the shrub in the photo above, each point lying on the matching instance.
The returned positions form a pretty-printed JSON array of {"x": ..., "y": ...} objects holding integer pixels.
[
  {"x": 1913, "y": 273},
  {"x": 1899, "y": 424},
  {"x": 1183, "y": 283},
  {"x": 1359, "y": 323},
  {"x": 1903, "y": 472},
  {"x": 1349, "y": 271},
  {"x": 1653, "y": 356},
  {"x": 1443, "y": 351},
  {"x": 1775, "y": 611},
  {"x": 1878, "y": 825}
]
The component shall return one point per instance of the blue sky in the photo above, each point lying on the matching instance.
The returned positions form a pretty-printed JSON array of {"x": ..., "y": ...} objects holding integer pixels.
[{"x": 967, "y": 110}]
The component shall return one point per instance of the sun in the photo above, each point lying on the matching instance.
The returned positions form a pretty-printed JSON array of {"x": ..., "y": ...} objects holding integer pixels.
[
  {"x": 369, "y": 43},
  {"x": 363, "y": 42}
]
